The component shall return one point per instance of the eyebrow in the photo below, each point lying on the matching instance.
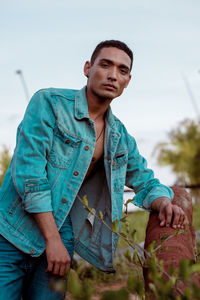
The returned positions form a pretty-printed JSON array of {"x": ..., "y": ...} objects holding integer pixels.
[{"x": 111, "y": 63}]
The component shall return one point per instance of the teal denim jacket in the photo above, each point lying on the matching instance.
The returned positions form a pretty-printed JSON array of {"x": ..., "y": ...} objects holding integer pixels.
[{"x": 54, "y": 148}]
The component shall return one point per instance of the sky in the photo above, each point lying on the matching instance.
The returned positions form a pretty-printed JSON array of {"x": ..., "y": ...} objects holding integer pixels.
[{"x": 51, "y": 40}]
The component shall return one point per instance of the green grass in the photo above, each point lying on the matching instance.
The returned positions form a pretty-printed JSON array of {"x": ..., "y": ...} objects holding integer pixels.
[
  {"x": 138, "y": 221},
  {"x": 196, "y": 217},
  {"x": 94, "y": 281}
]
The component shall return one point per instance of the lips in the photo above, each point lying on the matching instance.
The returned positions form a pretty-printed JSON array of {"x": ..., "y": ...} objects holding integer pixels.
[{"x": 110, "y": 86}]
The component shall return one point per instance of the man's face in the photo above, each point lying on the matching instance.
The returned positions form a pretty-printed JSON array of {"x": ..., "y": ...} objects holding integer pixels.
[{"x": 109, "y": 74}]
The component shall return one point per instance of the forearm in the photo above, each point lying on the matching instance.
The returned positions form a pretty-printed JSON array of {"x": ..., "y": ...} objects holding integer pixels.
[
  {"x": 147, "y": 188},
  {"x": 57, "y": 255},
  {"x": 47, "y": 225}
]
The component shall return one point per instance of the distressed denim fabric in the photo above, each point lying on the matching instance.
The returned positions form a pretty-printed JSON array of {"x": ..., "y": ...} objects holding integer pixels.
[
  {"x": 55, "y": 145},
  {"x": 24, "y": 275}
]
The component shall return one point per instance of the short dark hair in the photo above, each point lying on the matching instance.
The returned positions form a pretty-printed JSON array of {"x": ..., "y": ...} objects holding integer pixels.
[{"x": 112, "y": 43}]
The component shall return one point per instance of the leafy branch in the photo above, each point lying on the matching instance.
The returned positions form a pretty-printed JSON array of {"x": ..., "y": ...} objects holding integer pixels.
[{"x": 130, "y": 241}]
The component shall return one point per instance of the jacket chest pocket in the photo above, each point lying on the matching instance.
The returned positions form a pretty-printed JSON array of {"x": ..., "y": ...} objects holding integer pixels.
[
  {"x": 119, "y": 160},
  {"x": 65, "y": 147}
]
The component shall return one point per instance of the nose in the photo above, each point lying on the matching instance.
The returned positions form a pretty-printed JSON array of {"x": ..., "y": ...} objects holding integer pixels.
[{"x": 112, "y": 74}]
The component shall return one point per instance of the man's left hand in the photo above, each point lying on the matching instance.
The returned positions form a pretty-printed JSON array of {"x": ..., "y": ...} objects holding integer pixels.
[{"x": 169, "y": 214}]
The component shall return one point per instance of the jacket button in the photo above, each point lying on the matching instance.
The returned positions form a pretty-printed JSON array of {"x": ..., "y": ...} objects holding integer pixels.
[
  {"x": 32, "y": 251},
  {"x": 10, "y": 213},
  {"x": 76, "y": 173},
  {"x": 86, "y": 148},
  {"x": 64, "y": 200},
  {"x": 67, "y": 141}
]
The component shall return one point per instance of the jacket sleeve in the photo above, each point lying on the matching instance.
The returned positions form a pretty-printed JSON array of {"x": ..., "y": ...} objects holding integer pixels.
[
  {"x": 34, "y": 140},
  {"x": 141, "y": 179}
]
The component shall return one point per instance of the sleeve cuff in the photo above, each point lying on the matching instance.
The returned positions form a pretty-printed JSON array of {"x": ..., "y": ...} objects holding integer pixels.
[
  {"x": 38, "y": 202},
  {"x": 37, "y": 198},
  {"x": 157, "y": 192}
]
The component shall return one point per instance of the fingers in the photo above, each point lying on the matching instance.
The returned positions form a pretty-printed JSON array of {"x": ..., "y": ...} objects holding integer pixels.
[
  {"x": 64, "y": 267},
  {"x": 57, "y": 257},
  {"x": 172, "y": 215},
  {"x": 59, "y": 268},
  {"x": 162, "y": 219},
  {"x": 165, "y": 215},
  {"x": 56, "y": 269},
  {"x": 176, "y": 219},
  {"x": 63, "y": 270},
  {"x": 179, "y": 218},
  {"x": 50, "y": 267},
  {"x": 169, "y": 213}
]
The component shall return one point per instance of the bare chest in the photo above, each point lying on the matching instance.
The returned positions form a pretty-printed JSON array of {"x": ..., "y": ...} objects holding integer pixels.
[{"x": 99, "y": 147}]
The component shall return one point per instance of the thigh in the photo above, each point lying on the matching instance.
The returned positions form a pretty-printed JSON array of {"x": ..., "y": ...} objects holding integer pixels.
[
  {"x": 11, "y": 271},
  {"x": 41, "y": 285}
]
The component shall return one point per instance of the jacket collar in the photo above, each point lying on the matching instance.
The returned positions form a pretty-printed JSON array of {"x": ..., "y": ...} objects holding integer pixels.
[
  {"x": 110, "y": 118},
  {"x": 81, "y": 107}
]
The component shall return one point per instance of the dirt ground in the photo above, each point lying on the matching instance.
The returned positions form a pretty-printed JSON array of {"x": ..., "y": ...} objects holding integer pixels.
[{"x": 113, "y": 287}]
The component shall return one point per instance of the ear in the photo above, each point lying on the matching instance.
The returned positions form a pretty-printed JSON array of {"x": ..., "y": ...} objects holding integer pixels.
[
  {"x": 128, "y": 81},
  {"x": 87, "y": 69}
]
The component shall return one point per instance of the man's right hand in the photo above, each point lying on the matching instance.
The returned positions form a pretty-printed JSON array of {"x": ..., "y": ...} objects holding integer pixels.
[{"x": 58, "y": 258}]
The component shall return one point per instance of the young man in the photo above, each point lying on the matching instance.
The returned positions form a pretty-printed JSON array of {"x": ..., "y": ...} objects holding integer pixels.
[{"x": 70, "y": 143}]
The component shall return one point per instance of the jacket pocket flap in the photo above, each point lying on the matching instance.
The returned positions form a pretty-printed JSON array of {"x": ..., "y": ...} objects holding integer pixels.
[
  {"x": 67, "y": 137},
  {"x": 37, "y": 184}
]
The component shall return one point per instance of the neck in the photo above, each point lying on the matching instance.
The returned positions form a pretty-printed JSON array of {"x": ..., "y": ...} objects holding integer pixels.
[{"x": 96, "y": 106}]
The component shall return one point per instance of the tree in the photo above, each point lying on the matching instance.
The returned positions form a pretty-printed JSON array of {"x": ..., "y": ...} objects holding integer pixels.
[
  {"x": 182, "y": 153},
  {"x": 4, "y": 162}
]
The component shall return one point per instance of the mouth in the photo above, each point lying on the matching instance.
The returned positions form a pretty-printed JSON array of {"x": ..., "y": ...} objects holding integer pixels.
[{"x": 110, "y": 87}]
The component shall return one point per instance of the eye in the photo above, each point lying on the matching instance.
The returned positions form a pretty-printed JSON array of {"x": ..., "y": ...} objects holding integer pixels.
[
  {"x": 104, "y": 64},
  {"x": 123, "y": 71}
]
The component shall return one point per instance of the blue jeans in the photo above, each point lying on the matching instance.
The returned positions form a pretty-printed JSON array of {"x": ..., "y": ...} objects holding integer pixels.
[{"x": 23, "y": 276}]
